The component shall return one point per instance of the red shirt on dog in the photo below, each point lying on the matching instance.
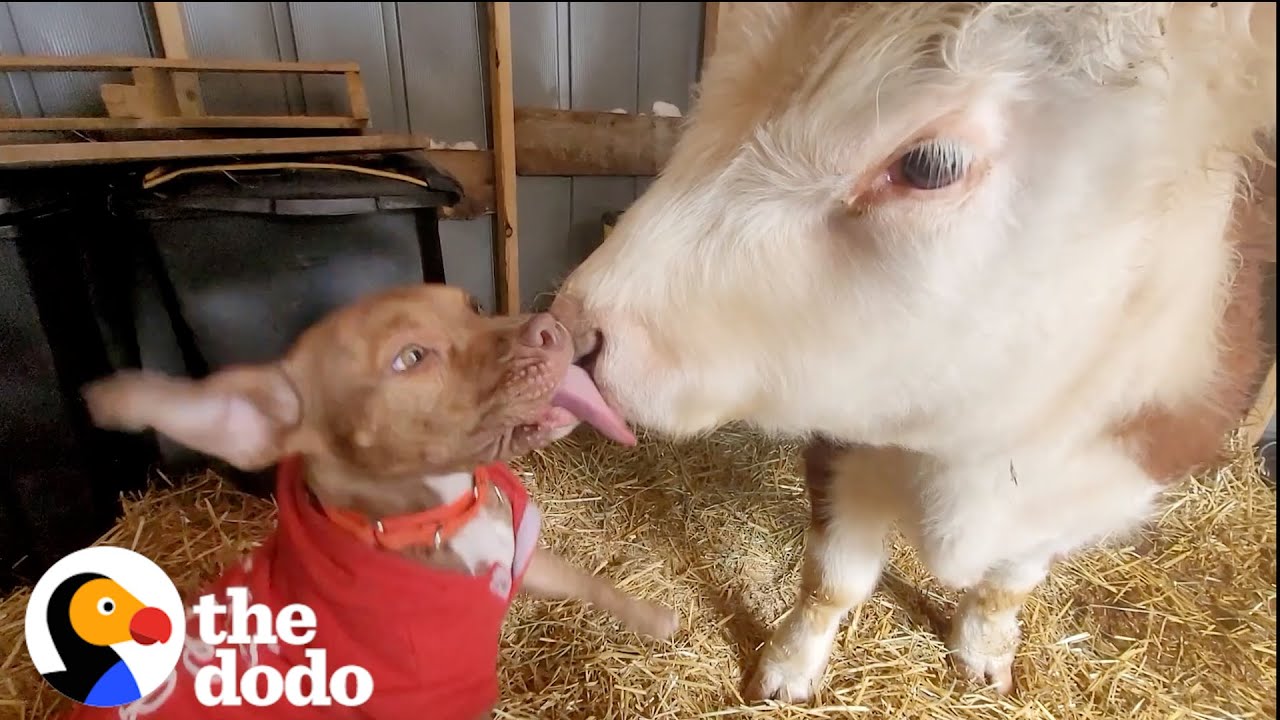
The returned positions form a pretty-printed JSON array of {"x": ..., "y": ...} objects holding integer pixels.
[{"x": 428, "y": 637}]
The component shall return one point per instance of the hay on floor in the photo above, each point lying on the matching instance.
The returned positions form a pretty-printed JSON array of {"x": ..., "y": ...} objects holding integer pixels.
[{"x": 1179, "y": 624}]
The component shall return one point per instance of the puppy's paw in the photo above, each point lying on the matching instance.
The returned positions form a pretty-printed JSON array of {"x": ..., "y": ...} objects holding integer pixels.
[
  {"x": 113, "y": 401},
  {"x": 652, "y": 619}
]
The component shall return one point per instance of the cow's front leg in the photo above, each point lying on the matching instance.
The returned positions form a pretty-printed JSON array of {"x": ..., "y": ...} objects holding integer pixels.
[
  {"x": 984, "y": 633},
  {"x": 852, "y": 492}
]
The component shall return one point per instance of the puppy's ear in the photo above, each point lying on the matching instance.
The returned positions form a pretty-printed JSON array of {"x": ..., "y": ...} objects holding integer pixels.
[{"x": 244, "y": 415}]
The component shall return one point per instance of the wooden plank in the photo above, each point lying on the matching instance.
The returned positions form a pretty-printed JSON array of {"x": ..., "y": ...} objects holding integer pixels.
[
  {"x": 473, "y": 169},
  {"x": 503, "y": 141},
  {"x": 710, "y": 28},
  {"x": 357, "y": 96},
  {"x": 548, "y": 142},
  {"x": 1264, "y": 407},
  {"x": 84, "y": 153},
  {"x": 173, "y": 46},
  {"x": 173, "y": 32},
  {"x": 151, "y": 96},
  {"x": 578, "y": 142},
  {"x": 299, "y": 122},
  {"x": 38, "y": 63}
]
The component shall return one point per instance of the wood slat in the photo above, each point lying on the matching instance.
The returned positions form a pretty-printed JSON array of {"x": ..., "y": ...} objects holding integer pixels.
[
  {"x": 173, "y": 46},
  {"x": 90, "y": 153},
  {"x": 181, "y": 122},
  {"x": 576, "y": 142},
  {"x": 502, "y": 110},
  {"x": 473, "y": 169},
  {"x": 37, "y": 63}
]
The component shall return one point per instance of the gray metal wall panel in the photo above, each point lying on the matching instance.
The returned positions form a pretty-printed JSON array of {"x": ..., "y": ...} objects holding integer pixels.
[
  {"x": 604, "y": 72},
  {"x": 444, "y": 70},
  {"x": 670, "y": 43},
  {"x": 77, "y": 28},
  {"x": 540, "y": 69},
  {"x": 355, "y": 31},
  {"x": 17, "y": 93},
  {"x": 446, "y": 97},
  {"x": 670, "y": 37},
  {"x": 238, "y": 31},
  {"x": 540, "y": 54},
  {"x": 468, "y": 258}
]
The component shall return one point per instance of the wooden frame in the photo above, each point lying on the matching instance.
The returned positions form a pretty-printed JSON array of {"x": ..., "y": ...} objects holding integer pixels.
[
  {"x": 165, "y": 94},
  {"x": 502, "y": 138},
  {"x": 578, "y": 143},
  {"x": 1264, "y": 408}
]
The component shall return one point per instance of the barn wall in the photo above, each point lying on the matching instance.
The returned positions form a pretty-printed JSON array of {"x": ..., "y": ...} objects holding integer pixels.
[{"x": 423, "y": 65}]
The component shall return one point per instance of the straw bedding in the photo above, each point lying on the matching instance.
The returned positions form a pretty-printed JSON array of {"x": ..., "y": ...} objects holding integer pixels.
[{"x": 1178, "y": 623}]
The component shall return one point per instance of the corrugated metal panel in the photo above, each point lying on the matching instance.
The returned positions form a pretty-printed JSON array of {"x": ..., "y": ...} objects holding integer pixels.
[
  {"x": 540, "y": 70},
  {"x": 18, "y": 94},
  {"x": 444, "y": 70},
  {"x": 603, "y": 41},
  {"x": 241, "y": 31},
  {"x": 77, "y": 28},
  {"x": 670, "y": 42},
  {"x": 445, "y": 97},
  {"x": 358, "y": 31}
]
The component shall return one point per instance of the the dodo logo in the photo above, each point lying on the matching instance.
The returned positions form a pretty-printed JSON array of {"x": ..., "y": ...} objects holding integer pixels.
[{"x": 104, "y": 626}]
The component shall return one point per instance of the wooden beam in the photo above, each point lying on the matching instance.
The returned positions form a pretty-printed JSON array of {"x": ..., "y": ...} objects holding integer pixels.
[
  {"x": 575, "y": 142},
  {"x": 173, "y": 46},
  {"x": 503, "y": 141},
  {"x": 473, "y": 169},
  {"x": 87, "y": 63},
  {"x": 89, "y": 153},
  {"x": 1264, "y": 407},
  {"x": 173, "y": 31},
  {"x": 710, "y": 28},
  {"x": 175, "y": 122}
]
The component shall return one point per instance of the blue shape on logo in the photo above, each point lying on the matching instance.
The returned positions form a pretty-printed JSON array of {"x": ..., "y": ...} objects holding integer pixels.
[{"x": 116, "y": 687}]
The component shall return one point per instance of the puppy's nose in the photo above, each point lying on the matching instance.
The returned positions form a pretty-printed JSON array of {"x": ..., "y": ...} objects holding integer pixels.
[
  {"x": 567, "y": 308},
  {"x": 541, "y": 332}
]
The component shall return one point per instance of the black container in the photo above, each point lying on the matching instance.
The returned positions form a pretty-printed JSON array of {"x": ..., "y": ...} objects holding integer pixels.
[
  {"x": 59, "y": 328},
  {"x": 236, "y": 264}
]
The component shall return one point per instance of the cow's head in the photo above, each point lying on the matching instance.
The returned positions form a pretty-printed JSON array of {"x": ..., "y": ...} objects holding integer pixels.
[{"x": 885, "y": 216}]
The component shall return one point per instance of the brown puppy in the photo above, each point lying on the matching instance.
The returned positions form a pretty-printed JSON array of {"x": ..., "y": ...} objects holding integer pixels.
[{"x": 384, "y": 410}]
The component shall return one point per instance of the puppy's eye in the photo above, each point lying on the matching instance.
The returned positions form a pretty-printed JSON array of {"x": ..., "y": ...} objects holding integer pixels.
[
  {"x": 409, "y": 356},
  {"x": 933, "y": 165}
]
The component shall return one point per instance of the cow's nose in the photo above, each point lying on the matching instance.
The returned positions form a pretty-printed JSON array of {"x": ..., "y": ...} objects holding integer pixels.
[
  {"x": 567, "y": 308},
  {"x": 541, "y": 331}
]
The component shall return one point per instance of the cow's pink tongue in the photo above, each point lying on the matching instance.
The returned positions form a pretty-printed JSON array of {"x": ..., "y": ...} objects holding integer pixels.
[{"x": 579, "y": 395}]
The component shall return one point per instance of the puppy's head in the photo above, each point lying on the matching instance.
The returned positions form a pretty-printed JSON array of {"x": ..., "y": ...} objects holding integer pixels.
[{"x": 409, "y": 382}]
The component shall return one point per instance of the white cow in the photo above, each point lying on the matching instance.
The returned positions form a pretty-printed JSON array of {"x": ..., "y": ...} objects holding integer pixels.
[{"x": 996, "y": 260}]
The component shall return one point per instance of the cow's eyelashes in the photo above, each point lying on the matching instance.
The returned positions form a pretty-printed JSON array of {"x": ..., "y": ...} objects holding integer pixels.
[{"x": 932, "y": 165}]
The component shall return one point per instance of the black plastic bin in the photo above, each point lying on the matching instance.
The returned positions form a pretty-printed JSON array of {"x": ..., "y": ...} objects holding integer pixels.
[
  {"x": 60, "y": 326},
  {"x": 237, "y": 262}
]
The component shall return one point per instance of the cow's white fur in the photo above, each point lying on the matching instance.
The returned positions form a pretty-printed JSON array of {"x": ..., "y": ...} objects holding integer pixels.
[{"x": 999, "y": 327}]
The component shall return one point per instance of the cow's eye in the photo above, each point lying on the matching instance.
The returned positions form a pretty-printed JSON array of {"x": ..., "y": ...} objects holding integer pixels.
[{"x": 933, "y": 165}]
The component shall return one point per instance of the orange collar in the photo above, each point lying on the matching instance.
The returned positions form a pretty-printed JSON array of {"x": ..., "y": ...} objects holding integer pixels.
[{"x": 430, "y": 528}]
